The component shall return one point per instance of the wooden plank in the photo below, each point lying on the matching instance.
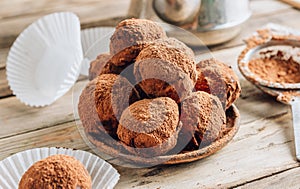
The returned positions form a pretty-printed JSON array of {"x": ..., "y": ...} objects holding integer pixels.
[
  {"x": 3, "y": 56},
  {"x": 262, "y": 8},
  {"x": 255, "y": 104},
  {"x": 91, "y": 14},
  {"x": 65, "y": 135},
  {"x": 13, "y": 112},
  {"x": 288, "y": 179},
  {"x": 4, "y": 88},
  {"x": 18, "y": 8},
  {"x": 260, "y": 148}
]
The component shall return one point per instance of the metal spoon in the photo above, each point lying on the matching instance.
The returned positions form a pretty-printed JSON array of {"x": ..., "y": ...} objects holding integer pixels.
[{"x": 288, "y": 94}]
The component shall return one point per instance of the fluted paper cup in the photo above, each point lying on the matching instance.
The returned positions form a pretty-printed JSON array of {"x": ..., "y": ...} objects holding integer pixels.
[
  {"x": 45, "y": 60},
  {"x": 91, "y": 47},
  {"x": 12, "y": 168}
]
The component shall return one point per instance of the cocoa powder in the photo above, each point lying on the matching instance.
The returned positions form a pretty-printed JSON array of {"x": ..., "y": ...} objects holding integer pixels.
[
  {"x": 289, "y": 95},
  {"x": 276, "y": 70}
]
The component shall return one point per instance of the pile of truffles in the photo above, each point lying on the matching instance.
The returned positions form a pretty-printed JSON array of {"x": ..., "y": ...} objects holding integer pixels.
[{"x": 147, "y": 96}]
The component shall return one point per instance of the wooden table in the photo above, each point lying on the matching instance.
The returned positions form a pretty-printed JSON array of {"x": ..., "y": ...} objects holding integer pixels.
[{"x": 260, "y": 155}]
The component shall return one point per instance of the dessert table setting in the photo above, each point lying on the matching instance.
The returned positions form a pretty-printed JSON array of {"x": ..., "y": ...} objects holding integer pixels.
[{"x": 132, "y": 94}]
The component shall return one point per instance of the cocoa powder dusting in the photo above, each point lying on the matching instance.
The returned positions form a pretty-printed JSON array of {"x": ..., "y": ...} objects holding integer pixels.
[
  {"x": 263, "y": 36},
  {"x": 276, "y": 70},
  {"x": 58, "y": 171},
  {"x": 288, "y": 96}
]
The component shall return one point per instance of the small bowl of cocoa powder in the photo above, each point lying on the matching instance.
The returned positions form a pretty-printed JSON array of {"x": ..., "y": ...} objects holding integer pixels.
[{"x": 274, "y": 64}]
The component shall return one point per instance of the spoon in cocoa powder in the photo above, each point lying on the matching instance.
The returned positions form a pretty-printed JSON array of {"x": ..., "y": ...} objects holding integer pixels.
[{"x": 279, "y": 85}]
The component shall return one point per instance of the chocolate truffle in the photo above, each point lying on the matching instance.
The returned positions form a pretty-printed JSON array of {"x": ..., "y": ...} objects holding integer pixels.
[
  {"x": 97, "y": 131},
  {"x": 57, "y": 171},
  {"x": 107, "y": 96},
  {"x": 103, "y": 65},
  {"x": 113, "y": 94},
  {"x": 165, "y": 71},
  {"x": 175, "y": 43},
  {"x": 150, "y": 126},
  {"x": 203, "y": 118},
  {"x": 130, "y": 37},
  {"x": 97, "y": 66},
  {"x": 218, "y": 79},
  {"x": 87, "y": 109}
]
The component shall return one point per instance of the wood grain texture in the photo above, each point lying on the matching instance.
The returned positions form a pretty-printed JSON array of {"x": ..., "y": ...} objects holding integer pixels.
[
  {"x": 65, "y": 135},
  {"x": 262, "y": 8},
  {"x": 4, "y": 88},
  {"x": 19, "y": 8},
  {"x": 13, "y": 112},
  {"x": 3, "y": 56},
  {"x": 91, "y": 13},
  {"x": 288, "y": 179},
  {"x": 261, "y": 155}
]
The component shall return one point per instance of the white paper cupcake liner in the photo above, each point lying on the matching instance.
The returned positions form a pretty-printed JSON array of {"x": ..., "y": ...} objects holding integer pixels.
[
  {"x": 12, "y": 168},
  {"x": 94, "y": 42},
  {"x": 44, "y": 61}
]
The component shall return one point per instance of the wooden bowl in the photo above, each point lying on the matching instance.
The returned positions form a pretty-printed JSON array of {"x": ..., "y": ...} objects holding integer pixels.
[{"x": 102, "y": 144}]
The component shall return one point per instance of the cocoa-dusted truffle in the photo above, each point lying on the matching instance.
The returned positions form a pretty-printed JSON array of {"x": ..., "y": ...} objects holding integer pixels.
[
  {"x": 175, "y": 43},
  {"x": 57, "y": 171},
  {"x": 103, "y": 65},
  {"x": 108, "y": 95},
  {"x": 87, "y": 109},
  {"x": 218, "y": 79},
  {"x": 130, "y": 37},
  {"x": 150, "y": 126},
  {"x": 97, "y": 66},
  {"x": 162, "y": 70},
  {"x": 95, "y": 129},
  {"x": 203, "y": 119}
]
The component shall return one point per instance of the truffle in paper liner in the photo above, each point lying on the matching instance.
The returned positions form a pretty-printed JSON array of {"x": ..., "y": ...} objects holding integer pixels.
[
  {"x": 94, "y": 41},
  {"x": 44, "y": 61},
  {"x": 12, "y": 168}
]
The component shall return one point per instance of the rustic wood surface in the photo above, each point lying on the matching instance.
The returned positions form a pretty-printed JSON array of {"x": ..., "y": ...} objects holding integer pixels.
[{"x": 261, "y": 155}]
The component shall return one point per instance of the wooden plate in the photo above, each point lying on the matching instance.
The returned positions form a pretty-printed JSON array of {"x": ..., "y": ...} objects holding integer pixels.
[{"x": 102, "y": 144}]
